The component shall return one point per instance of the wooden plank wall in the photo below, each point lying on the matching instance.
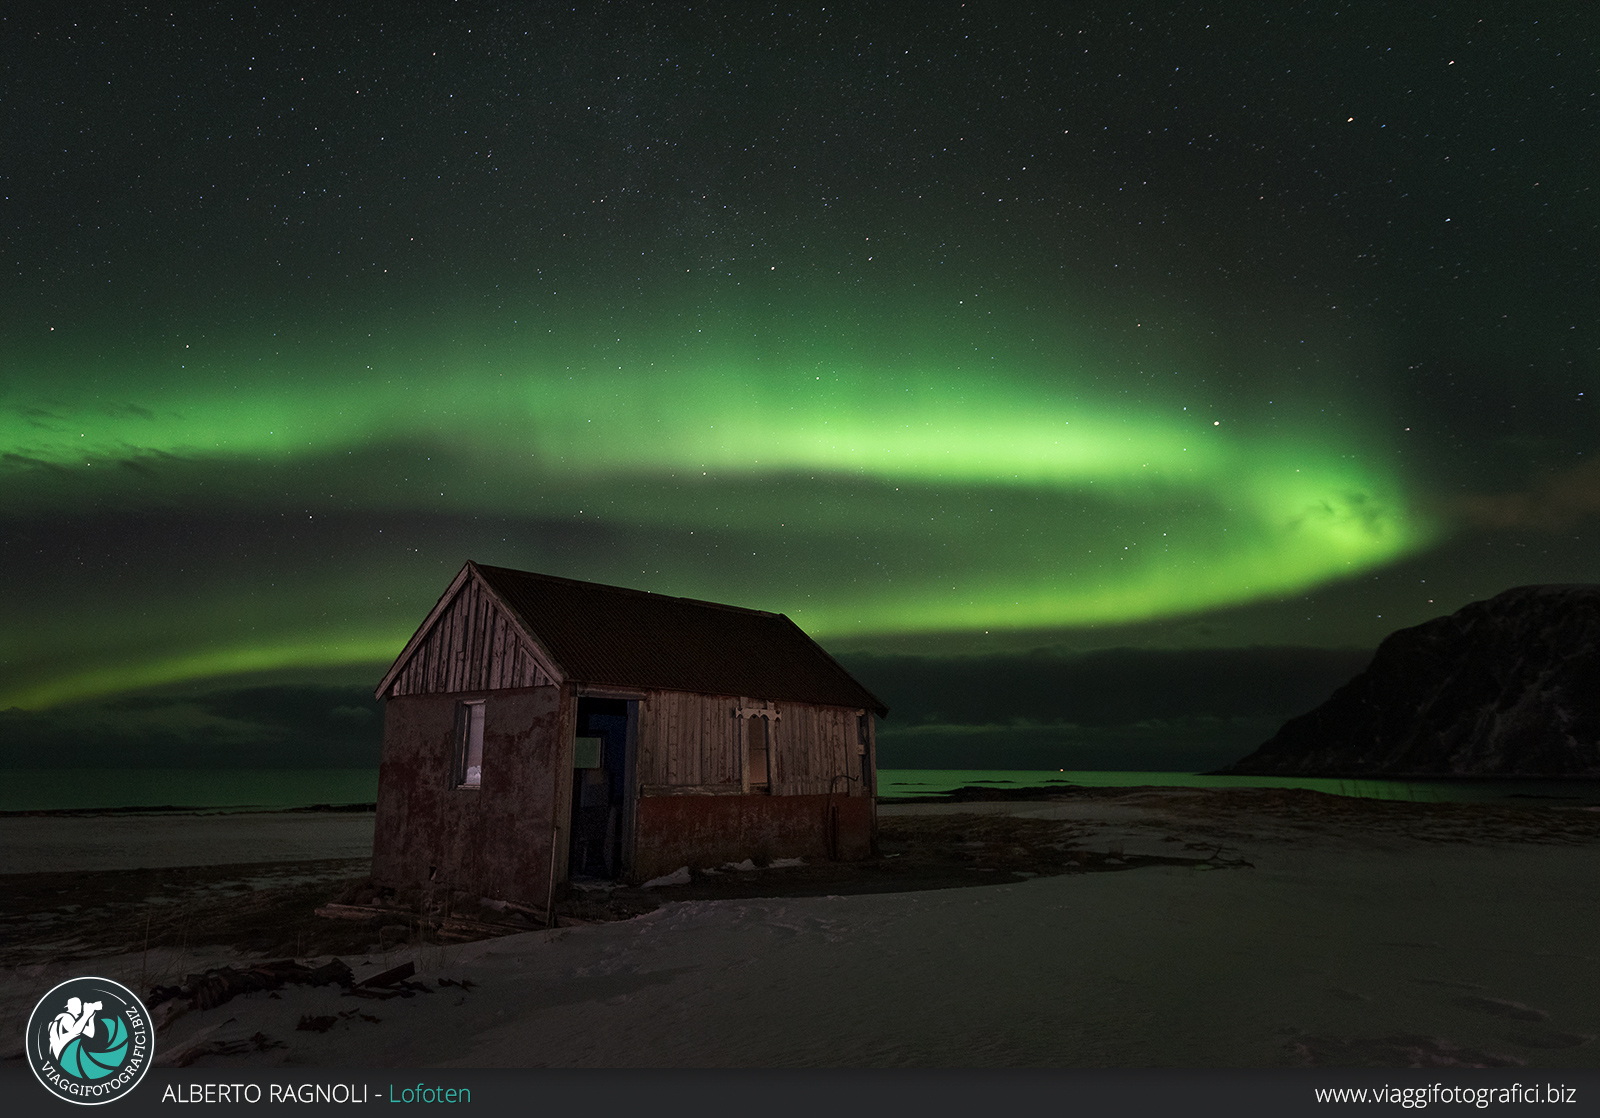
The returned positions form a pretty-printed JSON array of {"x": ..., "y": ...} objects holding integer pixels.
[
  {"x": 687, "y": 739},
  {"x": 474, "y": 646},
  {"x": 815, "y": 751},
  {"x": 693, "y": 740}
]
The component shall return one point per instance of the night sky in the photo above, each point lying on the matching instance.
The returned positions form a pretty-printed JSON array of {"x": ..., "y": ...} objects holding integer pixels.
[{"x": 1196, "y": 329}]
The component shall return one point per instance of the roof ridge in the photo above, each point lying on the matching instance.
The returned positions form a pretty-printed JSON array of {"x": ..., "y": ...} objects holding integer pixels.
[
  {"x": 594, "y": 632},
  {"x": 623, "y": 590}
]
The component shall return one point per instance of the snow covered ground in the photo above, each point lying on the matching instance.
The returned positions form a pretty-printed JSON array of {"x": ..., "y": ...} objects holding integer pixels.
[{"x": 1334, "y": 949}]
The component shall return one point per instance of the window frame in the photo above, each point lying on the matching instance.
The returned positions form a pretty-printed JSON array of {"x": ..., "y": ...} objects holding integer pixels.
[
  {"x": 471, "y": 715},
  {"x": 756, "y": 724},
  {"x": 769, "y": 717}
]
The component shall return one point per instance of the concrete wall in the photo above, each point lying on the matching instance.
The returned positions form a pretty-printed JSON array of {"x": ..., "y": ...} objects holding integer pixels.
[
  {"x": 493, "y": 840},
  {"x": 702, "y": 831}
]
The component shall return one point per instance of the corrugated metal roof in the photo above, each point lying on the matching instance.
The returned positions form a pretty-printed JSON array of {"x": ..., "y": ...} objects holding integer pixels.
[{"x": 612, "y": 636}]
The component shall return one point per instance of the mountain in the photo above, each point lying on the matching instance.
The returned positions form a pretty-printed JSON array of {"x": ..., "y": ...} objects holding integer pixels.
[{"x": 1504, "y": 687}]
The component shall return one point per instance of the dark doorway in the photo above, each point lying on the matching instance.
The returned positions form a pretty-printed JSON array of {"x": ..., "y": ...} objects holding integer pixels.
[{"x": 602, "y": 810}]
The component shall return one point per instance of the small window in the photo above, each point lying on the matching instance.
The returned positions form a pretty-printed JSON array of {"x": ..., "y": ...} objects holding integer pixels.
[
  {"x": 756, "y": 754},
  {"x": 588, "y": 753},
  {"x": 469, "y": 744}
]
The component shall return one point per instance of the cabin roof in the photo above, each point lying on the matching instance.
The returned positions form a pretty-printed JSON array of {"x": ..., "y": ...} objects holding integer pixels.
[{"x": 613, "y": 636}]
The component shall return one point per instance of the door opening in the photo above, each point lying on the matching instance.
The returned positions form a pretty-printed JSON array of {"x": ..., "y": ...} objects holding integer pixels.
[{"x": 602, "y": 806}]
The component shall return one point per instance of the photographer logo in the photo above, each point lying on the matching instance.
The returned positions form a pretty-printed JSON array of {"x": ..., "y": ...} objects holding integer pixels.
[{"x": 90, "y": 1040}]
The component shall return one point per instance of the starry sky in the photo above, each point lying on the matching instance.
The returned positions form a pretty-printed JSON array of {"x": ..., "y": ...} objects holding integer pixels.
[{"x": 999, "y": 333}]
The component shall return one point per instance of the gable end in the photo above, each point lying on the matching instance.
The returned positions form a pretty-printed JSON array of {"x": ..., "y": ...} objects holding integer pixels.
[{"x": 470, "y": 642}]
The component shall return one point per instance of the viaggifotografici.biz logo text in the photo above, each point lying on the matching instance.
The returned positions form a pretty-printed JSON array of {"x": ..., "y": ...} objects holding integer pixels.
[{"x": 90, "y": 1040}]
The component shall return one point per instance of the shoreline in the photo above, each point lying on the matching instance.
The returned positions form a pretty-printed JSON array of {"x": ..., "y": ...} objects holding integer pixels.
[
  {"x": 185, "y": 809},
  {"x": 35, "y": 792}
]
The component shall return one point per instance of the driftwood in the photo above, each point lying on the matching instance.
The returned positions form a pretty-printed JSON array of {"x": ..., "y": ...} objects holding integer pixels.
[
  {"x": 443, "y": 925},
  {"x": 203, "y": 1045},
  {"x": 357, "y": 912},
  {"x": 390, "y": 977},
  {"x": 221, "y": 984}
]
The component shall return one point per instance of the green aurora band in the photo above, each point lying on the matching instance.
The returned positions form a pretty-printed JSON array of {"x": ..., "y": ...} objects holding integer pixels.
[{"x": 859, "y": 497}]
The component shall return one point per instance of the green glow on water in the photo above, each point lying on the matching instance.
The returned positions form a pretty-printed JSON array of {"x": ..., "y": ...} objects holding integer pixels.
[
  {"x": 270, "y": 789},
  {"x": 896, "y": 784},
  {"x": 66, "y": 789}
]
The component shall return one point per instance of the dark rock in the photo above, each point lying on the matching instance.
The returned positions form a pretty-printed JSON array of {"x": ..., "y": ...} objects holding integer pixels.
[
  {"x": 1506, "y": 687},
  {"x": 333, "y": 972}
]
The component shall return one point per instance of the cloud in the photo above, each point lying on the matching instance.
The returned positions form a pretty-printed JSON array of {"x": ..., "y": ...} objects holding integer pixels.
[
  {"x": 1553, "y": 503},
  {"x": 1172, "y": 745},
  {"x": 1120, "y": 709},
  {"x": 23, "y": 461},
  {"x": 1127, "y": 709},
  {"x": 1108, "y": 687},
  {"x": 283, "y": 726}
]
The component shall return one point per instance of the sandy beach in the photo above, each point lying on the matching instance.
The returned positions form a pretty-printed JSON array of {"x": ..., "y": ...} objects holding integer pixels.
[{"x": 1254, "y": 929}]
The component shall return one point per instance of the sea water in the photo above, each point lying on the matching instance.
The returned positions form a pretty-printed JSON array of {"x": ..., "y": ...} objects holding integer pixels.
[
  {"x": 222, "y": 789},
  {"x": 902, "y": 783},
  {"x": 278, "y": 789}
]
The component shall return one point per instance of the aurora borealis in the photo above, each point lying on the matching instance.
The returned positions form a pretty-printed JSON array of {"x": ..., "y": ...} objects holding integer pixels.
[
  {"x": 1072, "y": 329},
  {"x": 920, "y": 469}
]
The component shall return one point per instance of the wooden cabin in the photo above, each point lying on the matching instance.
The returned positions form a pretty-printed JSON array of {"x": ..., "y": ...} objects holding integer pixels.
[{"x": 540, "y": 729}]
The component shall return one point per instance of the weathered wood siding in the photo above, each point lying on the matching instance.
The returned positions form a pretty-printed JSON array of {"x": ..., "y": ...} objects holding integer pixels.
[
  {"x": 472, "y": 647},
  {"x": 690, "y": 740},
  {"x": 814, "y": 751}
]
